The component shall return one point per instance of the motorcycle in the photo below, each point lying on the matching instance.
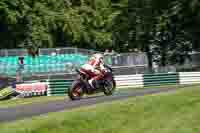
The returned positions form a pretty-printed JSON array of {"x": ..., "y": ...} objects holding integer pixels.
[{"x": 81, "y": 85}]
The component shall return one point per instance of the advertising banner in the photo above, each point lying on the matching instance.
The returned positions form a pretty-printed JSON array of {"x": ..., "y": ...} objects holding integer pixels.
[{"x": 31, "y": 88}]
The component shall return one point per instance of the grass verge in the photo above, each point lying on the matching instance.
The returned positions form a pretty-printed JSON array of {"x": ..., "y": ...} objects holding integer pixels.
[{"x": 176, "y": 112}]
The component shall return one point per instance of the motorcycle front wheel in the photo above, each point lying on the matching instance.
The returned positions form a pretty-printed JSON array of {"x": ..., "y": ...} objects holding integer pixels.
[
  {"x": 109, "y": 87},
  {"x": 76, "y": 91}
]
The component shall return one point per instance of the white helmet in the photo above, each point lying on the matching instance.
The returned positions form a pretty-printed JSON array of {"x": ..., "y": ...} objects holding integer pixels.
[{"x": 98, "y": 56}]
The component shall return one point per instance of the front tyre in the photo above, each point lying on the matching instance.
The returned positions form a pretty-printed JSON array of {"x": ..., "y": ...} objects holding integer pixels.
[
  {"x": 109, "y": 87},
  {"x": 76, "y": 91}
]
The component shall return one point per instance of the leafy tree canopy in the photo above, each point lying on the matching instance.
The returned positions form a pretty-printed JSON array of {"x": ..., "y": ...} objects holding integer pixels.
[{"x": 166, "y": 30}]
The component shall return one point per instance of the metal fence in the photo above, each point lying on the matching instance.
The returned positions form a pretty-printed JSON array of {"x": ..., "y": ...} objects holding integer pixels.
[
  {"x": 47, "y": 51},
  {"x": 13, "y": 52},
  {"x": 56, "y": 64},
  {"x": 129, "y": 59},
  {"x": 123, "y": 63},
  {"x": 69, "y": 50}
]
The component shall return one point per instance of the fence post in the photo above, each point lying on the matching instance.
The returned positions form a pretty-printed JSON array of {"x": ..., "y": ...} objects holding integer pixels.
[
  {"x": 6, "y": 52},
  {"x": 76, "y": 50},
  {"x": 48, "y": 88}
]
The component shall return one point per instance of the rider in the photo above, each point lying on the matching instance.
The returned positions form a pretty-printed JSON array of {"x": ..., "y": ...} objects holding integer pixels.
[{"x": 95, "y": 68}]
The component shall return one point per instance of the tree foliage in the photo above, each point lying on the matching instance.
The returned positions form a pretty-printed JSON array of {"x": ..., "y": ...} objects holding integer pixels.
[
  {"x": 166, "y": 30},
  {"x": 48, "y": 23}
]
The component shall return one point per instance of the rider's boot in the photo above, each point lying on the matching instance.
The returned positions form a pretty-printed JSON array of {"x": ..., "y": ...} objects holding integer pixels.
[{"x": 93, "y": 83}]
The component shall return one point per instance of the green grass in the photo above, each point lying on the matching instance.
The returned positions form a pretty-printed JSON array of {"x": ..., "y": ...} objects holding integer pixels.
[
  {"x": 176, "y": 112},
  {"x": 17, "y": 102}
]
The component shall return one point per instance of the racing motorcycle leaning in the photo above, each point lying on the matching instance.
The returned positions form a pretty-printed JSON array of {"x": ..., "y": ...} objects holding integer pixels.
[{"x": 81, "y": 86}]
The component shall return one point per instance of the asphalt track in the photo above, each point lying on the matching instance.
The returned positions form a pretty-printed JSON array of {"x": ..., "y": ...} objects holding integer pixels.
[{"x": 25, "y": 111}]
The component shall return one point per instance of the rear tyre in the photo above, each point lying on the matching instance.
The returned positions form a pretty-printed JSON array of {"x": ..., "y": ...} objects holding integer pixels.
[{"x": 76, "y": 91}]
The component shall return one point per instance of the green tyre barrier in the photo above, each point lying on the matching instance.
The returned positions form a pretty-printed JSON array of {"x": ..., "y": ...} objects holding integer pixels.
[
  {"x": 58, "y": 87},
  {"x": 160, "y": 79}
]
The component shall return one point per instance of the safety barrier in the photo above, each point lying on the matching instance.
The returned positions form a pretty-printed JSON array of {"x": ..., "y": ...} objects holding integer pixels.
[
  {"x": 129, "y": 81},
  {"x": 31, "y": 89},
  {"x": 189, "y": 77},
  {"x": 59, "y": 87},
  {"x": 160, "y": 79}
]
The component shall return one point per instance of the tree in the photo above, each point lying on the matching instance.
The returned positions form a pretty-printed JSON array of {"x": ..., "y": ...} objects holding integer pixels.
[
  {"x": 50, "y": 23},
  {"x": 120, "y": 25},
  {"x": 159, "y": 28},
  {"x": 175, "y": 32}
]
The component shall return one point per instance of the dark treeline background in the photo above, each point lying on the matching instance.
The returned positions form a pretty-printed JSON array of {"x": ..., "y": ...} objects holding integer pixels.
[{"x": 167, "y": 30}]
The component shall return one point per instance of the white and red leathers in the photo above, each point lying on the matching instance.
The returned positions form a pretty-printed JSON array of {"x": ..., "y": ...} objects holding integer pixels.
[{"x": 94, "y": 68}]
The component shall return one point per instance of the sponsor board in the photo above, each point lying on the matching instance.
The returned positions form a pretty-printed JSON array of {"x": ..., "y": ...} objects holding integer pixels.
[{"x": 31, "y": 87}]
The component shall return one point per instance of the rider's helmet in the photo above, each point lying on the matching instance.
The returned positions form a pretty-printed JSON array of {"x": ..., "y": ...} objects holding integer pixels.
[{"x": 99, "y": 57}]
